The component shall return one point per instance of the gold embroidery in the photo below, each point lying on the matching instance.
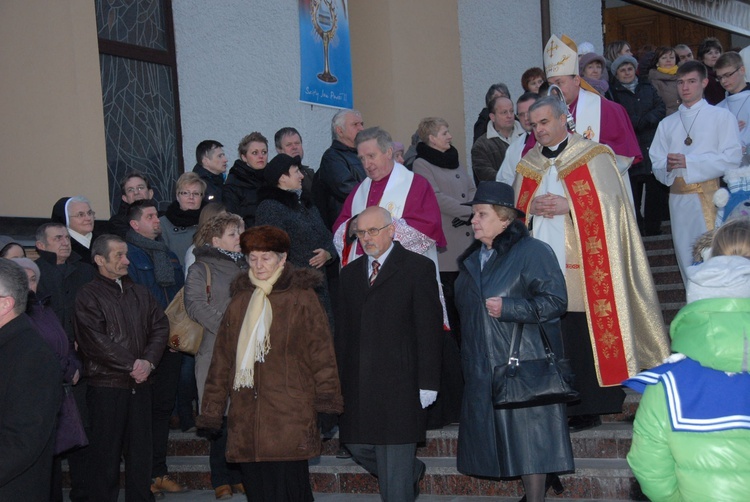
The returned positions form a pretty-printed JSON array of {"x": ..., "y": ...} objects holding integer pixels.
[
  {"x": 581, "y": 188},
  {"x": 598, "y": 275},
  {"x": 552, "y": 48},
  {"x": 593, "y": 245},
  {"x": 527, "y": 172},
  {"x": 602, "y": 308}
]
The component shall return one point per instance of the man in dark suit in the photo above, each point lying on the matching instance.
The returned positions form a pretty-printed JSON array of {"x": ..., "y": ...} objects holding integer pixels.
[
  {"x": 30, "y": 394},
  {"x": 388, "y": 345}
]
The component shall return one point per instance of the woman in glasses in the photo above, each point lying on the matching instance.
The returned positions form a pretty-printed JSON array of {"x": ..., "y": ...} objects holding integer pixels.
[
  {"x": 178, "y": 226},
  {"x": 180, "y": 222}
]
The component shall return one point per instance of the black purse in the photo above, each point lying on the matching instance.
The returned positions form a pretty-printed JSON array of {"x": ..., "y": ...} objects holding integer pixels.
[{"x": 534, "y": 382}]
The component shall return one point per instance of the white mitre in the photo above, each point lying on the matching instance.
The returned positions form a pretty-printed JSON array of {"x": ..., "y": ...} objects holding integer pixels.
[{"x": 560, "y": 58}]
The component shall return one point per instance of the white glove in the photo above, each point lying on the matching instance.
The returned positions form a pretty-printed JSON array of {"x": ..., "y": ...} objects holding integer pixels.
[{"x": 427, "y": 397}]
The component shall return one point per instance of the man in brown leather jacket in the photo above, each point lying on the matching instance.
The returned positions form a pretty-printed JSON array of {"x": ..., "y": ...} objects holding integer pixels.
[{"x": 121, "y": 331}]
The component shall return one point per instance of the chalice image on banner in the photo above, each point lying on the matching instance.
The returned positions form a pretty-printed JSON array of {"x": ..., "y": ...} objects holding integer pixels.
[{"x": 323, "y": 15}]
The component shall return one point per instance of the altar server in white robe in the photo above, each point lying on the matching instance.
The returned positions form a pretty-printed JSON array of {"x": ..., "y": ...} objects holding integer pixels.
[{"x": 692, "y": 149}]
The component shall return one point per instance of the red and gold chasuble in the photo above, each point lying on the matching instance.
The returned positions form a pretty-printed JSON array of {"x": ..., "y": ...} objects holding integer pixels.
[{"x": 624, "y": 317}]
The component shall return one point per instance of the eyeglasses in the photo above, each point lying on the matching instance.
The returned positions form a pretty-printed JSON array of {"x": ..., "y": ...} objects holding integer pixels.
[
  {"x": 138, "y": 189},
  {"x": 83, "y": 215},
  {"x": 190, "y": 194},
  {"x": 372, "y": 232},
  {"x": 719, "y": 78}
]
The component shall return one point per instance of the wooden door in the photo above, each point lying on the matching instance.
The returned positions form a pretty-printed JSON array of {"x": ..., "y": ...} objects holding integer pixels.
[{"x": 641, "y": 27}]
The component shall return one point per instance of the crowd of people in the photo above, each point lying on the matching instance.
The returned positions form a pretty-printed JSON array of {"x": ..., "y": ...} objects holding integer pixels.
[{"x": 378, "y": 293}]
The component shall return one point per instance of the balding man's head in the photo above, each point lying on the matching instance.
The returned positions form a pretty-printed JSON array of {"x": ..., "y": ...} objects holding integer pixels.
[{"x": 375, "y": 230}]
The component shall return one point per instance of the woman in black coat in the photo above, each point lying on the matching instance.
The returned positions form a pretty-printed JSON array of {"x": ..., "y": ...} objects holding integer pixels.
[
  {"x": 645, "y": 109},
  {"x": 283, "y": 204},
  {"x": 508, "y": 278},
  {"x": 240, "y": 192}
]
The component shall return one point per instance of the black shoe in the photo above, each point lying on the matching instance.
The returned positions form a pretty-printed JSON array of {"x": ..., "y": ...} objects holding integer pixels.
[
  {"x": 583, "y": 422},
  {"x": 419, "y": 478},
  {"x": 552, "y": 481},
  {"x": 343, "y": 453}
]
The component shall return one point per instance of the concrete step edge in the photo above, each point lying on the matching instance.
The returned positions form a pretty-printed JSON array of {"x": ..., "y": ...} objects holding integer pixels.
[{"x": 446, "y": 466}]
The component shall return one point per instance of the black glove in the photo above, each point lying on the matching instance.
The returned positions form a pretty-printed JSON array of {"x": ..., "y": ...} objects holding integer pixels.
[
  {"x": 209, "y": 433},
  {"x": 458, "y": 222},
  {"x": 327, "y": 421},
  {"x": 351, "y": 228}
]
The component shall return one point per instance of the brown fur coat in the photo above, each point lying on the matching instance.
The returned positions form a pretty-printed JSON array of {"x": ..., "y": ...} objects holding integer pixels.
[{"x": 276, "y": 419}]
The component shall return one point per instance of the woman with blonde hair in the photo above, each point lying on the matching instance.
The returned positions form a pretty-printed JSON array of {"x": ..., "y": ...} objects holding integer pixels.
[{"x": 217, "y": 253}]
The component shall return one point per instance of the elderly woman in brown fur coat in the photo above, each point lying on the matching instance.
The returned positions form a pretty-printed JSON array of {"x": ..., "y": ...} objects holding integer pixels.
[{"x": 274, "y": 358}]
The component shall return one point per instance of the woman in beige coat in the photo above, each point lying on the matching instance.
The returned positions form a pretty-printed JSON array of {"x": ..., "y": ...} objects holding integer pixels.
[{"x": 438, "y": 162}]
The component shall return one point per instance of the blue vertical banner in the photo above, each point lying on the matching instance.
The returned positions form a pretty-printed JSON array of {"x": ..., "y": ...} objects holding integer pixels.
[{"x": 325, "y": 56}]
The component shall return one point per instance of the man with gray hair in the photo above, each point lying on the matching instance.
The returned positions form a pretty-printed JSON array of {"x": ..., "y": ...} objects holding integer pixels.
[
  {"x": 407, "y": 196},
  {"x": 575, "y": 201},
  {"x": 122, "y": 331},
  {"x": 30, "y": 394},
  {"x": 340, "y": 169}
]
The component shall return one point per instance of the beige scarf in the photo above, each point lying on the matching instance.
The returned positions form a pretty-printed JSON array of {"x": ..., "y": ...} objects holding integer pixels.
[{"x": 255, "y": 340}]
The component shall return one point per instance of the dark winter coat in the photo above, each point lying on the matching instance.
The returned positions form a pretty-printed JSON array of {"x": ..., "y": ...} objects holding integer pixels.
[
  {"x": 62, "y": 283},
  {"x": 525, "y": 273},
  {"x": 214, "y": 183},
  {"x": 339, "y": 173},
  {"x": 301, "y": 220},
  {"x": 49, "y": 328},
  {"x": 645, "y": 109},
  {"x": 297, "y": 217},
  {"x": 115, "y": 326},
  {"x": 276, "y": 419},
  {"x": 30, "y": 397},
  {"x": 389, "y": 342},
  {"x": 240, "y": 191}
]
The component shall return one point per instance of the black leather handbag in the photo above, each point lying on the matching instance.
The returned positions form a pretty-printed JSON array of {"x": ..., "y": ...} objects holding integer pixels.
[{"x": 532, "y": 382}]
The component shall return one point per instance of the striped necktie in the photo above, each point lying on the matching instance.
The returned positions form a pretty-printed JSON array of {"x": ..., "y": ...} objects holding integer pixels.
[{"x": 375, "y": 268}]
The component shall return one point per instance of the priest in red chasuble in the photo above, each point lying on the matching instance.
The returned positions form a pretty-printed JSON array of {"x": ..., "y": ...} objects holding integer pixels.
[{"x": 577, "y": 203}]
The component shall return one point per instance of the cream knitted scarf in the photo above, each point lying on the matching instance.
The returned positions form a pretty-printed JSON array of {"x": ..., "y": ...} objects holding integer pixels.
[{"x": 254, "y": 341}]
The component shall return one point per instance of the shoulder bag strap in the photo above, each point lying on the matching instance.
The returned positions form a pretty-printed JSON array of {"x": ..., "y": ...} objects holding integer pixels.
[
  {"x": 515, "y": 346},
  {"x": 208, "y": 282}
]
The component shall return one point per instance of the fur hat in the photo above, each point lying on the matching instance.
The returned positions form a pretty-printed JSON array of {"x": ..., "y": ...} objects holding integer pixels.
[
  {"x": 265, "y": 238},
  {"x": 279, "y": 166}
]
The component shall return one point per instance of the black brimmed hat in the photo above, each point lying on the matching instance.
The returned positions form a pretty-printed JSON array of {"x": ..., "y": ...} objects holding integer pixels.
[{"x": 496, "y": 194}]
